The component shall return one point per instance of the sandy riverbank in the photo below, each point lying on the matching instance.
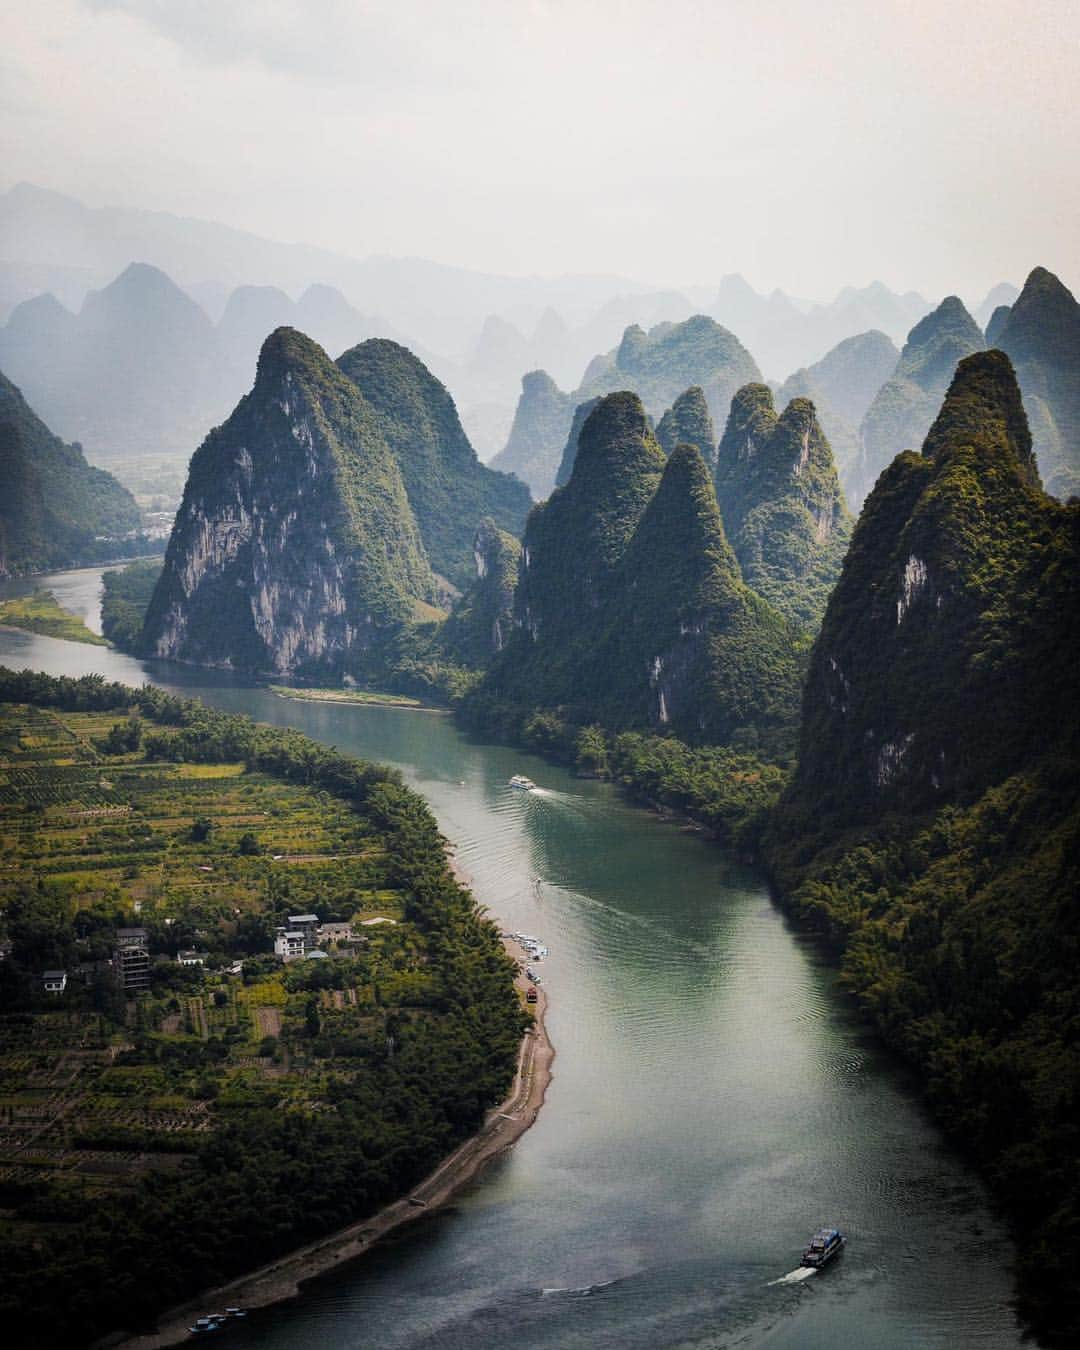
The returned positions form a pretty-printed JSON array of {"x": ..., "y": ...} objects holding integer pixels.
[{"x": 284, "y": 1279}]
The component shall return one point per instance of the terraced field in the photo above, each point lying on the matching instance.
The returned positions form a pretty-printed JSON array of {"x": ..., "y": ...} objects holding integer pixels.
[{"x": 95, "y": 1089}]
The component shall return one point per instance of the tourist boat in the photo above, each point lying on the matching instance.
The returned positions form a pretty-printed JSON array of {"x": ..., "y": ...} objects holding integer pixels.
[
  {"x": 824, "y": 1245},
  {"x": 520, "y": 781},
  {"x": 205, "y": 1325}
]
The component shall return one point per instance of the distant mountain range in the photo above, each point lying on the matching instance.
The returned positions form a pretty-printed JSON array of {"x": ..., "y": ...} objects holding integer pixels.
[{"x": 478, "y": 332}]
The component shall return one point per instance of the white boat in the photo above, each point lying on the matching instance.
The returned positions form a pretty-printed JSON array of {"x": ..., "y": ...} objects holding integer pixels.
[{"x": 520, "y": 781}]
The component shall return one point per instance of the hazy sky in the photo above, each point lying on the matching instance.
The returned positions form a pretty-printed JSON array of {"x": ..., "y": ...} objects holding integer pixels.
[{"x": 805, "y": 143}]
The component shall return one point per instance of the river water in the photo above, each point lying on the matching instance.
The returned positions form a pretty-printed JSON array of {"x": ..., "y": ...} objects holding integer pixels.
[{"x": 715, "y": 1098}]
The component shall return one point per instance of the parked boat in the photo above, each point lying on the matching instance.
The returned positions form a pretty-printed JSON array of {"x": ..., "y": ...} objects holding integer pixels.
[
  {"x": 520, "y": 781},
  {"x": 824, "y": 1245}
]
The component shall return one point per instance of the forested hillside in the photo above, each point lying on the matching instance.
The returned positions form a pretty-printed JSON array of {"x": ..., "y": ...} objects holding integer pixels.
[
  {"x": 932, "y": 829},
  {"x": 55, "y": 509}
]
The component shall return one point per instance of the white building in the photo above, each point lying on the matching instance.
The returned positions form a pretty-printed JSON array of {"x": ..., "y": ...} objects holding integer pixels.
[{"x": 54, "y": 981}]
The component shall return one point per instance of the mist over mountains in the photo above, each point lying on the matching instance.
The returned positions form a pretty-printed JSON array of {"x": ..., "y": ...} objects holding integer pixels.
[{"x": 478, "y": 332}]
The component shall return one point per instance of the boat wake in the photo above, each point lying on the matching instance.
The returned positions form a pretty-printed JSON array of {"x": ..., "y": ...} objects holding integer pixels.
[
  {"x": 581, "y": 1292},
  {"x": 796, "y": 1276}
]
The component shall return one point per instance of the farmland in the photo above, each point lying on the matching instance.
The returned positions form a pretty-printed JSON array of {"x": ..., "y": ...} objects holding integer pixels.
[{"x": 124, "y": 1110}]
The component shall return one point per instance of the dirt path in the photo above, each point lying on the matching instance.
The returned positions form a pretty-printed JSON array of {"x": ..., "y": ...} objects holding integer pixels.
[{"x": 284, "y": 1279}]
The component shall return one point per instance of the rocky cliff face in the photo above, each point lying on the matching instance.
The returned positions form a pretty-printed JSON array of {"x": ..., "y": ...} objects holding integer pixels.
[
  {"x": 539, "y": 430},
  {"x": 687, "y": 422},
  {"x": 1041, "y": 334},
  {"x": 904, "y": 407},
  {"x": 942, "y": 660},
  {"x": 295, "y": 547},
  {"x": 449, "y": 490},
  {"x": 781, "y": 502}
]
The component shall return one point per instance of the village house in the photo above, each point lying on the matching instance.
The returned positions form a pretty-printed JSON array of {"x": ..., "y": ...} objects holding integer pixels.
[{"x": 54, "y": 981}]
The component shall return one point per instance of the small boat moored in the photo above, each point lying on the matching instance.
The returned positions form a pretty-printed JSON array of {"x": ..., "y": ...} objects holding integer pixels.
[
  {"x": 520, "y": 781},
  {"x": 824, "y": 1245}
]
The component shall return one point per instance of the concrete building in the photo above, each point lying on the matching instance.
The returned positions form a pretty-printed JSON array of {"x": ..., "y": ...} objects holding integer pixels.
[
  {"x": 54, "y": 981},
  {"x": 132, "y": 959},
  {"x": 289, "y": 944}
]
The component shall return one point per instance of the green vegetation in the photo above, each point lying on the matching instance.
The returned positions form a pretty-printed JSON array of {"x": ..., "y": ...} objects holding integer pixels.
[
  {"x": 780, "y": 498},
  {"x": 155, "y": 1145},
  {"x": 295, "y": 548},
  {"x": 345, "y": 696},
  {"x": 42, "y": 613},
  {"x": 931, "y": 826},
  {"x": 482, "y": 621},
  {"x": 55, "y": 510},
  {"x": 660, "y": 364},
  {"x": 631, "y": 610},
  {"x": 449, "y": 490},
  {"x": 687, "y": 422},
  {"x": 901, "y": 413},
  {"x": 126, "y": 598}
]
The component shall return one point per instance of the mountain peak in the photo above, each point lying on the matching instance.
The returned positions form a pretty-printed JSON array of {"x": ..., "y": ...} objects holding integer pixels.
[
  {"x": 983, "y": 406},
  {"x": 688, "y": 420}
]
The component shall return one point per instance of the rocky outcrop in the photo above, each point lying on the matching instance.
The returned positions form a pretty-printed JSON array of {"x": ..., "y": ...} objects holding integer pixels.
[
  {"x": 781, "y": 502},
  {"x": 295, "y": 548},
  {"x": 901, "y": 413}
]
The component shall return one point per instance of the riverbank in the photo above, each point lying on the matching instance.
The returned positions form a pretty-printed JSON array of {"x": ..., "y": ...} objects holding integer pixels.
[{"x": 285, "y": 1278}]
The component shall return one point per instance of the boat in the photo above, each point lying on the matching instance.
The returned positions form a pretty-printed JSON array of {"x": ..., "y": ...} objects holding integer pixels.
[
  {"x": 824, "y": 1245},
  {"x": 205, "y": 1325},
  {"x": 520, "y": 781},
  {"x": 235, "y": 1312}
]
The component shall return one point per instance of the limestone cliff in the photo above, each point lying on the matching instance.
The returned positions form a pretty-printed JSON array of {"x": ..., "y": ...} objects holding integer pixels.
[{"x": 295, "y": 548}]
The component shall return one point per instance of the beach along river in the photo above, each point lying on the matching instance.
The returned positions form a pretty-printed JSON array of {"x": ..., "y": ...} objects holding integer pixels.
[{"x": 715, "y": 1098}]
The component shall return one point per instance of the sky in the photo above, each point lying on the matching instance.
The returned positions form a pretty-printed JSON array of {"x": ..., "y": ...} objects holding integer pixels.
[{"x": 804, "y": 143}]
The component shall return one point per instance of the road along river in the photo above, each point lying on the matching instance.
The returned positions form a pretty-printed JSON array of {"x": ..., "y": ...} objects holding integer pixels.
[{"x": 715, "y": 1098}]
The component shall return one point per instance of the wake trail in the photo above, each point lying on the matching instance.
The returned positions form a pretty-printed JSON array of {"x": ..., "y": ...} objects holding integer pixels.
[{"x": 796, "y": 1276}]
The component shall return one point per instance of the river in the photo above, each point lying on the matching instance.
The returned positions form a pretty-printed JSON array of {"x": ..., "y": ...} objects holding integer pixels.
[{"x": 715, "y": 1097}]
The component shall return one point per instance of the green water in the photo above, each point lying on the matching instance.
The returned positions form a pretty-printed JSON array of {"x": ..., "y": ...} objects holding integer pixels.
[{"x": 714, "y": 1099}]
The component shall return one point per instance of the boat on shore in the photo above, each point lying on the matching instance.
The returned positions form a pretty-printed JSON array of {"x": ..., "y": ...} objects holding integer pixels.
[
  {"x": 522, "y": 783},
  {"x": 824, "y": 1245}
]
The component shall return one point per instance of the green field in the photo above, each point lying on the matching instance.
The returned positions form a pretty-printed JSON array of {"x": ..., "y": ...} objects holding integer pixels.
[
  {"x": 41, "y": 613},
  {"x": 335, "y": 1083}
]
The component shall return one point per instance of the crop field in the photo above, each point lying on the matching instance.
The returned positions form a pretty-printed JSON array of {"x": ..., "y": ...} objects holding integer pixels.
[{"x": 97, "y": 1089}]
